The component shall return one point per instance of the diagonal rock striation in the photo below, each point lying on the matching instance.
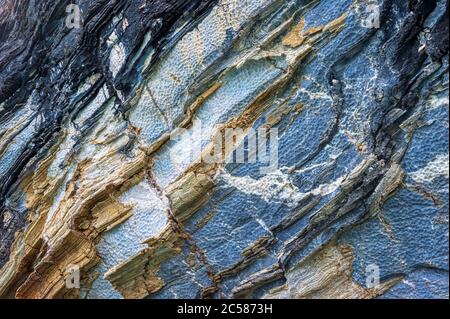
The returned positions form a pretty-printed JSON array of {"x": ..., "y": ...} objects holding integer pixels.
[{"x": 224, "y": 149}]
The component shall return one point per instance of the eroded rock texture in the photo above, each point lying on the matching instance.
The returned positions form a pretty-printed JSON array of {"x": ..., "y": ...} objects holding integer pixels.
[{"x": 87, "y": 178}]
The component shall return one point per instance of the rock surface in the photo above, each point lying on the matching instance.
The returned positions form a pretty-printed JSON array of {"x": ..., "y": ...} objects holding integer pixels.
[{"x": 355, "y": 207}]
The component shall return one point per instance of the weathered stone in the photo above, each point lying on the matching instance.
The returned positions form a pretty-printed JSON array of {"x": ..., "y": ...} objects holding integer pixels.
[{"x": 102, "y": 165}]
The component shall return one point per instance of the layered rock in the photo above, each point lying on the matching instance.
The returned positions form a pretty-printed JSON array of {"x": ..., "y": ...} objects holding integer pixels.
[{"x": 102, "y": 166}]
